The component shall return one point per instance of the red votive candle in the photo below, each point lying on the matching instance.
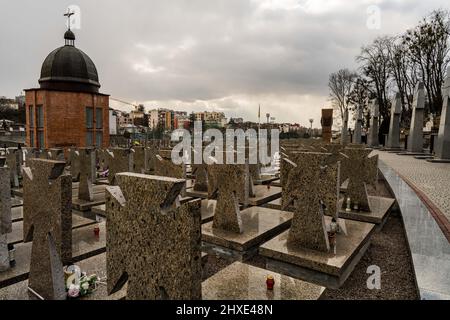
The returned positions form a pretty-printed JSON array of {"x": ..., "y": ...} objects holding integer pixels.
[{"x": 270, "y": 282}]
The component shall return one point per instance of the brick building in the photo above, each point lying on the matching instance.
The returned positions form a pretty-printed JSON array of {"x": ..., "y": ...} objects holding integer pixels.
[{"x": 67, "y": 110}]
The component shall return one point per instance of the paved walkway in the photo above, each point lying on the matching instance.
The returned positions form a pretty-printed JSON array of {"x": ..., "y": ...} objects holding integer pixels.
[{"x": 430, "y": 179}]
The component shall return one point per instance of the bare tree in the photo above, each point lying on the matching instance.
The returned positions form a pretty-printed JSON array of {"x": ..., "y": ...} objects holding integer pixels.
[
  {"x": 428, "y": 48},
  {"x": 341, "y": 85},
  {"x": 374, "y": 59},
  {"x": 404, "y": 73}
]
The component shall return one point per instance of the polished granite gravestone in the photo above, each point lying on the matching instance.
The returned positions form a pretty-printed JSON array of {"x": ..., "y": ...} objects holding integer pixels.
[
  {"x": 16, "y": 235},
  {"x": 153, "y": 242},
  {"x": 85, "y": 244},
  {"x": 305, "y": 251},
  {"x": 235, "y": 233},
  {"x": 372, "y": 138},
  {"x": 393, "y": 142},
  {"x": 5, "y": 216},
  {"x": 362, "y": 171},
  {"x": 47, "y": 222},
  {"x": 118, "y": 160},
  {"x": 13, "y": 163},
  {"x": 240, "y": 281}
]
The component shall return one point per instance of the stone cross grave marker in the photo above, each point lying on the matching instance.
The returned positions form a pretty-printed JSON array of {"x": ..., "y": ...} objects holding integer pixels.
[
  {"x": 312, "y": 187},
  {"x": 13, "y": 163},
  {"x": 47, "y": 221},
  {"x": 228, "y": 183},
  {"x": 151, "y": 241},
  {"x": 85, "y": 159},
  {"x": 361, "y": 171},
  {"x": 118, "y": 160}
]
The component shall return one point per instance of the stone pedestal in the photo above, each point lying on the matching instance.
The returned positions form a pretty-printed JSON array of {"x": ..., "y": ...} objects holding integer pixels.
[
  {"x": 415, "y": 139},
  {"x": 244, "y": 282},
  {"x": 394, "y": 127},
  {"x": 345, "y": 139},
  {"x": 443, "y": 142},
  {"x": 373, "y": 140},
  {"x": 358, "y": 126},
  {"x": 327, "y": 124}
]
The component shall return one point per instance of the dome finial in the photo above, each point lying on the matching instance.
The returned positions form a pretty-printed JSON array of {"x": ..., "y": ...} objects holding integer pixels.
[{"x": 69, "y": 36}]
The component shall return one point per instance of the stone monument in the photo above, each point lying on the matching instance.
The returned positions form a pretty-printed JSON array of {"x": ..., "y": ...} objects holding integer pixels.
[
  {"x": 5, "y": 215},
  {"x": 152, "y": 242},
  {"x": 358, "y": 126},
  {"x": 86, "y": 163},
  {"x": 228, "y": 184},
  {"x": 373, "y": 140},
  {"x": 47, "y": 221},
  {"x": 443, "y": 142},
  {"x": 361, "y": 171},
  {"x": 312, "y": 188},
  {"x": 415, "y": 139},
  {"x": 118, "y": 160},
  {"x": 344, "y": 131},
  {"x": 394, "y": 127},
  {"x": 327, "y": 124}
]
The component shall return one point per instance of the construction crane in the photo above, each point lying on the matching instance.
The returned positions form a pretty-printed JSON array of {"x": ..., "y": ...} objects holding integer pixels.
[{"x": 136, "y": 107}]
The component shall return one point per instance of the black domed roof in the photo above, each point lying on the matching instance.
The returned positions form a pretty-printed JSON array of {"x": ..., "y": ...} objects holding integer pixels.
[{"x": 70, "y": 69}]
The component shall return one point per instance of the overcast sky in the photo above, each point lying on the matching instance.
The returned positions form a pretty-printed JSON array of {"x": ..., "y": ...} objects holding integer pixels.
[{"x": 222, "y": 55}]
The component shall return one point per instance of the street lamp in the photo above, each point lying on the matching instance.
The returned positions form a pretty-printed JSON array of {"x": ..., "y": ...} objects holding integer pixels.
[{"x": 311, "y": 121}]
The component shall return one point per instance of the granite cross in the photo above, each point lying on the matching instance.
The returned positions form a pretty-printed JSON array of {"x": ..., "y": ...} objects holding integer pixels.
[
  {"x": 361, "y": 171},
  {"x": 152, "y": 241},
  {"x": 47, "y": 221},
  {"x": 312, "y": 186},
  {"x": 228, "y": 183}
]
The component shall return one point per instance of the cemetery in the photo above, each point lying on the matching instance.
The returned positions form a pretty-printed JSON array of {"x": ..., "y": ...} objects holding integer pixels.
[{"x": 97, "y": 204}]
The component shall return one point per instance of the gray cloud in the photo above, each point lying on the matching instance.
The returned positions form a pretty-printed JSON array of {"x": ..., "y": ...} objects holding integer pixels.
[{"x": 228, "y": 55}]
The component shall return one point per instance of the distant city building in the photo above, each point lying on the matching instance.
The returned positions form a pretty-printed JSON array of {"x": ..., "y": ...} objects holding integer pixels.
[
  {"x": 67, "y": 109},
  {"x": 113, "y": 121}
]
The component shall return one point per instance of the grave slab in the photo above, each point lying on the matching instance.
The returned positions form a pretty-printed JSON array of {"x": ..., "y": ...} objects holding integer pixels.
[
  {"x": 85, "y": 244},
  {"x": 84, "y": 205},
  {"x": 240, "y": 281},
  {"x": 379, "y": 211},
  {"x": 259, "y": 224},
  {"x": 94, "y": 265},
  {"x": 16, "y": 236},
  {"x": 329, "y": 269}
]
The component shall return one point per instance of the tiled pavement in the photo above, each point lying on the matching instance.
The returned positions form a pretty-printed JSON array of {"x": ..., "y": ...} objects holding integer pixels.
[{"x": 431, "y": 179}]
